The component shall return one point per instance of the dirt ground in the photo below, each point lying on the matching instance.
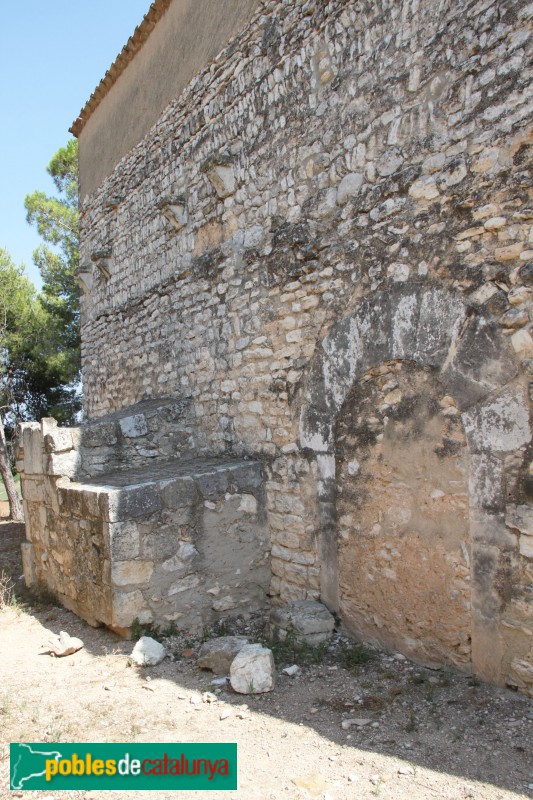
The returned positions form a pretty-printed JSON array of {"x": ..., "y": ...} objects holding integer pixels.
[{"x": 431, "y": 734}]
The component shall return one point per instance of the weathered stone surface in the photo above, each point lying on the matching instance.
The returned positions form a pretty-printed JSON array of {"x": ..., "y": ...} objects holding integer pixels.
[
  {"x": 520, "y": 517},
  {"x": 522, "y": 673},
  {"x": 349, "y": 187},
  {"x": 57, "y": 440},
  {"x": 306, "y": 619},
  {"x": 499, "y": 425},
  {"x": 326, "y": 236},
  {"x": 134, "y": 426},
  {"x": 64, "y": 645},
  {"x": 124, "y": 540},
  {"x": 33, "y": 448},
  {"x": 124, "y": 573},
  {"x": 128, "y": 606},
  {"x": 223, "y": 180},
  {"x": 252, "y": 670},
  {"x": 217, "y": 654},
  {"x": 147, "y": 652},
  {"x": 130, "y": 502}
]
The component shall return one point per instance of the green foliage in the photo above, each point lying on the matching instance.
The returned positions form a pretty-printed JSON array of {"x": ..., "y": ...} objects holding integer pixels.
[
  {"x": 296, "y": 650},
  {"x": 57, "y": 222},
  {"x": 351, "y": 656},
  {"x": 32, "y": 361}
]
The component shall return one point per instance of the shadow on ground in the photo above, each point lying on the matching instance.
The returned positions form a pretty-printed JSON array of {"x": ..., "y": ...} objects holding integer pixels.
[{"x": 431, "y": 720}]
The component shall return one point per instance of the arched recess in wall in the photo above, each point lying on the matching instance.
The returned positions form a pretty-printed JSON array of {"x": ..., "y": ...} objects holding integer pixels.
[{"x": 462, "y": 347}]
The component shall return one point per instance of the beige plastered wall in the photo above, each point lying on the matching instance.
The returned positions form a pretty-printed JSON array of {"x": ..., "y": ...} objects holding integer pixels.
[{"x": 193, "y": 32}]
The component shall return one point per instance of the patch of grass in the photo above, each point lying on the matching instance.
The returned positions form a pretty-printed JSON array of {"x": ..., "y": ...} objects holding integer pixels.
[
  {"x": 353, "y": 655},
  {"x": 294, "y": 649},
  {"x": 139, "y": 629},
  {"x": 411, "y": 722},
  {"x": 396, "y": 691},
  {"x": 218, "y": 628}
]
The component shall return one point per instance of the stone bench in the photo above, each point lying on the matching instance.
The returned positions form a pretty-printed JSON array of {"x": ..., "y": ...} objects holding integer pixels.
[{"x": 180, "y": 541}]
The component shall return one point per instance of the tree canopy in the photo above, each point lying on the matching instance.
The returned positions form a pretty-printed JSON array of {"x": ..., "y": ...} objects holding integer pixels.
[
  {"x": 56, "y": 220},
  {"x": 39, "y": 333}
]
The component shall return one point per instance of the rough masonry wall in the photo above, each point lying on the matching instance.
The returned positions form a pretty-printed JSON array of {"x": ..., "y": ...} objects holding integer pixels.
[
  {"x": 181, "y": 542},
  {"x": 335, "y": 151}
]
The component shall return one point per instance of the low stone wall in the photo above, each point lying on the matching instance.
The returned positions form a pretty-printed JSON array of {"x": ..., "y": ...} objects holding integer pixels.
[
  {"x": 183, "y": 544},
  {"x": 135, "y": 437}
]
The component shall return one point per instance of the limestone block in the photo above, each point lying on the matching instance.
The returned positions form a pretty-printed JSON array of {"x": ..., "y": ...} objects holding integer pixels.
[
  {"x": 248, "y": 504},
  {"x": 499, "y": 425},
  {"x": 404, "y": 321},
  {"x": 130, "y": 502},
  {"x": 508, "y": 253},
  {"x": 486, "y": 481},
  {"x": 490, "y": 529},
  {"x": 526, "y": 546},
  {"x": 217, "y": 654},
  {"x": 310, "y": 621},
  {"x": 134, "y": 426},
  {"x": 441, "y": 316},
  {"x": 33, "y": 490},
  {"x": 65, "y": 464},
  {"x": 147, "y": 652},
  {"x": 185, "y": 554},
  {"x": 64, "y": 645},
  {"x": 124, "y": 573},
  {"x": 226, "y": 603},
  {"x": 522, "y": 342},
  {"x": 452, "y": 174},
  {"x": 389, "y": 162},
  {"x": 433, "y": 163},
  {"x": 520, "y": 517},
  {"x": 480, "y": 362},
  {"x": 57, "y": 440},
  {"x": 424, "y": 188},
  {"x": 124, "y": 540},
  {"x": 178, "y": 493},
  {"x": 349, "y": 187},
  {"x": 91, "y": 501},
  {"x": 98, "y": 434},
  {"x": 128, "y": 606},
  {"x": 223, "y": 180},
  {"x": 184, "y": 585},
  {"x": 521, "y": 674},
  {"x": 485, "y": 563},
  {"x": 28, "y": 563},
  {"x": 253, "y": 670},
  {"x": 253, "y": 237},
  {"x": 175, "y": 210},
  {"x": 32, "y": 441}
]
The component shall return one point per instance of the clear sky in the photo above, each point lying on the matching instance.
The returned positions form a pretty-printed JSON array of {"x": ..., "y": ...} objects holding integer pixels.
[{"x": 53, "y": 54}]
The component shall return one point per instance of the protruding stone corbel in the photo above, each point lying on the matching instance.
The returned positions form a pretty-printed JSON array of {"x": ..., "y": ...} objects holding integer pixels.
[
  {"x": 85, "y": 278},
  {"x": 174, "y": 208},
  {"x": 101, "y": 261},
  {"x": 220, "y": 170},
  {"x": 112, "y": 202}
]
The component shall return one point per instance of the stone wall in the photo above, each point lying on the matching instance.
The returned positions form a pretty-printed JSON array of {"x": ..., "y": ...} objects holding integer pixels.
[
  {"x": 344, "y": 190},
  {"x": 177, "y": 541}
]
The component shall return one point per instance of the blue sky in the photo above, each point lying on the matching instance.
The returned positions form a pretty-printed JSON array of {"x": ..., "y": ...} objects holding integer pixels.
[{"x": 53, "y": 53}]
